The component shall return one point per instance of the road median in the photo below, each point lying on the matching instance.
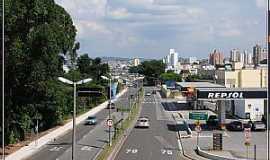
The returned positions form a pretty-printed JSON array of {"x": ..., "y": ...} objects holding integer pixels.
[{"x": 110, "y": 152}]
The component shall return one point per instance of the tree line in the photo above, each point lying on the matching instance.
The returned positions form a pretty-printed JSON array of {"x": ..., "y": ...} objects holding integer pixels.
[{"x": 37, "y": 33}]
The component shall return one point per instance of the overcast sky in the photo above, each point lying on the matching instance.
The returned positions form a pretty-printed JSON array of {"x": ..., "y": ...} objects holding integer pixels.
[{"x": 149, "y": 28}]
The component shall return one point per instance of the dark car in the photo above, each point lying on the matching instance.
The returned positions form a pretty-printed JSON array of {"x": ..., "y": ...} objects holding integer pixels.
[
  {"x": 235, "y": 126},
  {"x": 212, "y": 121},
  {"x": 91, "y": 120},
  {"x": 112, "y": 106}
]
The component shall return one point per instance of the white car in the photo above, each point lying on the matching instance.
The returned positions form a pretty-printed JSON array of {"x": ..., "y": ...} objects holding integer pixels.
[
  {"x": 258, "y": 125},
  {"x": 143, "y": 122}
]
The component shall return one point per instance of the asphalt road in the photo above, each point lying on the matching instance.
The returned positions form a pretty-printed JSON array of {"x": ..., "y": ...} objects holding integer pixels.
[
  {"x": 60, "y": 146},
  {"x": 156, "y": 142}
]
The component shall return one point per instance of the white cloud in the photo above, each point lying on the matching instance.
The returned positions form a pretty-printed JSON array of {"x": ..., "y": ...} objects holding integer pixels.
[
  {"x": 119, "y": 13},
  {"x": 230, "y": 33},
  {"x": 87, "y": 28},
  {"x": 123, "y": 25},
  {"x": 261, "y": 3}
]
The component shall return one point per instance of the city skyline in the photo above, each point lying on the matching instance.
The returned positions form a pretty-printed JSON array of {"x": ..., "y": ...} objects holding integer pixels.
[{"x": 149, "y": 28}]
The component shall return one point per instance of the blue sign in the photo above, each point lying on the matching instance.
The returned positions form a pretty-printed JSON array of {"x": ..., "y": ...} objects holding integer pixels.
[{"x": 114, "y": 89}]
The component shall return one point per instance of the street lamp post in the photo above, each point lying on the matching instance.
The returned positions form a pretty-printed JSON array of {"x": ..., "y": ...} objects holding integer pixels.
[
  {"x": 110, "y": 101},
  {"x": 64, "y": 80}
]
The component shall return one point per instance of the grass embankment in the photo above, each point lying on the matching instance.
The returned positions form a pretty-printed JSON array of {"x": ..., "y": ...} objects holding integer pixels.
[{"x": 125, "y": 125}]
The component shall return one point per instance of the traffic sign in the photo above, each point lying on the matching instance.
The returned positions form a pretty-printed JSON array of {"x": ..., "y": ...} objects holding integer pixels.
[
  {"x": 247, "y": 133},
  {"x": 109, "y": 122},
  {"x": 198, "y": 115},
  {"x": 198, "y": 129},
  {"x": 247, "y": 136}
]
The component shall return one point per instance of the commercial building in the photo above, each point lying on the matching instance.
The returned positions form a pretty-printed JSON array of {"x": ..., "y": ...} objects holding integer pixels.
[
  {"x": 245, "y": 78},
  {"x": 216, "y": 58}
]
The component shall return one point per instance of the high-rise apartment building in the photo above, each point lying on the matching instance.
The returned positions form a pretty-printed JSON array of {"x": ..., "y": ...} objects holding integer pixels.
[
  {"x": 258, "y": 55},
  {"x": 171, "y": 61},
  {"x": 234, "y": 55},
  {"x": 247, "y": 57},
  {"x": 216, "y": 58}
]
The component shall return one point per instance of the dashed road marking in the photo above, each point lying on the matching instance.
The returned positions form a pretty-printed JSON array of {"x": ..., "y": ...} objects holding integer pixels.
[
  {"x": 86, "y": 148},
  {"x": 55, "y": 149}
]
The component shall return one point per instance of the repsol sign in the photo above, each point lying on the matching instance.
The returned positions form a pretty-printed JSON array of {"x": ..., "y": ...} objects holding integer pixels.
[
  {"x": 230, "y": 95},
  {"x": 226, "y": 94}
]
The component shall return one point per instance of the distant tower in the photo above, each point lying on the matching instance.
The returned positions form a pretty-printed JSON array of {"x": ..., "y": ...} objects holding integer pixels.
[{"x": 216, "y": 58}]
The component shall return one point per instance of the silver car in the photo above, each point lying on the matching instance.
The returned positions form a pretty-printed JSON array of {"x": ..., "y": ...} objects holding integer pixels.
[
  {"x": 143, "y": 122},
  {"x": 258, "y": 125}
]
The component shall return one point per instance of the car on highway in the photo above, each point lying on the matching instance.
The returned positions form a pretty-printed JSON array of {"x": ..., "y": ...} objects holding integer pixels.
[
  {"x": 235, "y": 126},
  {"x": 112, "y": 105},
  {"x": 212, "y": 121},
  {"x": 258, "y": 125},
  {"x": 148, "y": 94},
  {"x": 143, "y": 122},
  {"x": 91, "y": 120}
]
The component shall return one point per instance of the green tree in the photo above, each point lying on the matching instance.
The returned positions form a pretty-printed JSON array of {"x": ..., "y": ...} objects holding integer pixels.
[
  {"x": 150, "y": 69},
  {"x": 170, "y": 76},
  {"x": 36, "y": 32}
]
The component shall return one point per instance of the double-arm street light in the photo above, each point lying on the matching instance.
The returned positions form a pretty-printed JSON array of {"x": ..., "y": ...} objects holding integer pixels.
[
  {"x": 64, "y": 80},
  {"x": 110, "y": 96}
]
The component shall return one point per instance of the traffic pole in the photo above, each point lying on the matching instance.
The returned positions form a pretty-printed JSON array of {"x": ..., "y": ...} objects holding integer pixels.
[{"x": 255, "y": 152}]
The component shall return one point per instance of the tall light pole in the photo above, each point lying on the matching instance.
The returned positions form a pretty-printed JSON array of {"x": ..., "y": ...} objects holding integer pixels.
[
  {"x": 110, "y": 95},
  {"x": 3, "y": 80},
  {"x": 64, "y": 80}
]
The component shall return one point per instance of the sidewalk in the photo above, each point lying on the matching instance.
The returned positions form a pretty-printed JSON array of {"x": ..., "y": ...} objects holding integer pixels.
[{"x": 32, "y": 147}]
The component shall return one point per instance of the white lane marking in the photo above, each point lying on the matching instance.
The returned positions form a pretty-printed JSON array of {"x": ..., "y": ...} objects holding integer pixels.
[
  {"x": 86, "y": 148},
  {"x": 166, "y": 151},
  {"x": 55, "y": 149},
  {"x": 133, "y": 151}
]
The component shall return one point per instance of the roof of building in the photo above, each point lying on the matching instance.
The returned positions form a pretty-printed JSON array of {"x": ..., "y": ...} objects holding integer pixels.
[
  {"x": 199, "y": 85},
  {"x": 232, "y": 89}
]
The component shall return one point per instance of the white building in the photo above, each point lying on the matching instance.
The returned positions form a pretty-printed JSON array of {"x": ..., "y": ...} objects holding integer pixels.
[
  {"x": 171, "y": 61},
  {"x": 192, "y": 60},
  {"x": 247, "y": 58},
  {"x": 136, "y": 62}
]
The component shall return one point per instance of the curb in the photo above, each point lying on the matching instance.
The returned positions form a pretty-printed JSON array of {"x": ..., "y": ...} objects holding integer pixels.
[
  {"x": 31, "y": 148},
  {"x": 214, "y": 156}
]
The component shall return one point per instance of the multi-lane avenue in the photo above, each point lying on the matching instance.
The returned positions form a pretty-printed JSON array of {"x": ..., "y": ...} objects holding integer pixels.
[
  {"x": 156, "y": 142},
  {"x": 90, "y": 140}
]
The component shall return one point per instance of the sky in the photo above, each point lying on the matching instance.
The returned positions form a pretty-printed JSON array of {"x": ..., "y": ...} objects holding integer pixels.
[{"x": 149, "y": 28}]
